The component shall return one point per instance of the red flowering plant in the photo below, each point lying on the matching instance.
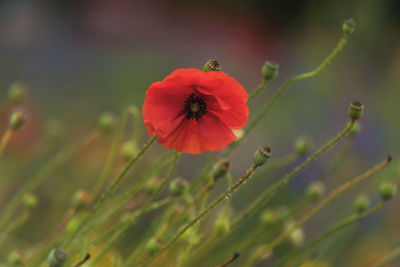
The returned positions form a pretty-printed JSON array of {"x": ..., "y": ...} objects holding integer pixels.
[{"x": 193, "y": 111}]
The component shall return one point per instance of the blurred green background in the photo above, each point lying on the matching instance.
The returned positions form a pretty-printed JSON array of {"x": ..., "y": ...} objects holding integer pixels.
[{"x": 80, "y": 58}]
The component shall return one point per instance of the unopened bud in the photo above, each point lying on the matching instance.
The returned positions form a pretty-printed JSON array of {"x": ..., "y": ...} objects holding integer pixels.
[
  {"x": 57, "y": 257},
  {"x": 348, "y": 26},
  {"x": 81, "y": 199},
  {"x": 178, "y": 186},
  {"x": 191, "y": 236},
  {"x": 30, "y": 201},
  {"x": 388, "y": 190},
  {"x": 17, "y": 119},
  {"x": 303, "y": 145},
  {"x": 270, "y": 70},
  {"x": 129, "y": 150},
  {"x": 152, "y": 184},
  {"x": 315, "y": 191},
  {"x": 212, "y": 65},
  {"x": 17, "y": 91},
  {"x": 262, "y": 155},
  {"x": 220, "y": 168},
  {"x": 222, "y": 226},
  {"x": 152, "y": 246},
  {"x": 107, "y": 121},
  {"x": 269, "y": 218},
  {"x": 356, "y": 110},
  {"x": 361, "y": 203}
]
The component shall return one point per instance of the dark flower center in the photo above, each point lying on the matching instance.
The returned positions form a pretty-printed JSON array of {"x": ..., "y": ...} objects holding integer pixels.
[{"x": 195, "y": 107}]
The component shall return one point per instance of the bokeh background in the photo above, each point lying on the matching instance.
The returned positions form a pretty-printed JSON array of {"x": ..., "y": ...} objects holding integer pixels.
[{"x": 80, "y": 58}]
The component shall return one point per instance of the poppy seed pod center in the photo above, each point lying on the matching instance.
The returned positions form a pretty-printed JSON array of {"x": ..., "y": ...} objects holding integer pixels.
[{"x": 195, "y": 107}]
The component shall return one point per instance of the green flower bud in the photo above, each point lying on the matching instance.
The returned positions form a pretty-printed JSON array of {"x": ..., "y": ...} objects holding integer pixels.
[
  {"x": 220, "y": 168},
  {"x": 388, "y": 190},
  {"x": 315, "y": 191},
  {"x": 81, "y": 199},
  {"x": 17, "y": 119},
  {"x": 17, "y": 91},
  {"x": 296, "y": 238},
  {"x": 212, "y": 65},
  {"x": 129, "y": 150},
  {"x": 262, "y": 155},
  {"x": 222, "y": 226},
  {"x": 152, "y": 246},
  {"x": 30, "y": 201},
  {"x": 107, "y": 121},
  {"x": 15, "y": 258},
  {"x": 348, "y": 26},
  {"x": 356, "y": 110},
  {"x": 361, "y": 203},
  {"x": 269, "y": 217},
  {"x": 303, "y": 145},
  {"x": 270, "y": 70},
  {"x": 177, "y": 187},
  {"x": 355, "y": 130},
  {"x": 191, "y": 236},
  {"x": 57, "y": 257}
]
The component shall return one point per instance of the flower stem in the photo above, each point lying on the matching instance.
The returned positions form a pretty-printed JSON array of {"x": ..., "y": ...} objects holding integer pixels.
[
  {"x": 227, "y": 194},
  {"x": 277, "y": 186},
  {"x": 258, "y": 90},
  {"x": 58, "y": 160},
  {"x": 109, "y": 191},
  {"x": 327, "y": 200},
  {"x": 388, "y": 258},
  {"x": 337, "y": 227},
  {"x": 5, "y": 139},
  {"x": 283, "y": 89},
  {"x": 14, "y": 224}
]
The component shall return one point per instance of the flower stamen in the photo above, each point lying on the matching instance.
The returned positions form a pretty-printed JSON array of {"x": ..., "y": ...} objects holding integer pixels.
[{"x": 195, "y": 107}]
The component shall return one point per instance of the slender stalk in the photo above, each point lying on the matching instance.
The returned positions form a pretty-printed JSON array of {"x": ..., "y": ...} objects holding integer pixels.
[
  {"x": 203, "y": 213},
  {"x": 58, "y": 160},
  {"x": 281, "y": 183},
  {"x": 284, "y": 88},
  {"x": 107, "y": 194},
  {"x": 258, "y": 90},
  {"x": 14, "y": 224},
  {"x": 392, "y": 255},
  {"x": 327, "y": 200},
  {"x": 337, "y": 227},
  {"x": 229, "y": 260},
  {"x": 5, "y": 139}
]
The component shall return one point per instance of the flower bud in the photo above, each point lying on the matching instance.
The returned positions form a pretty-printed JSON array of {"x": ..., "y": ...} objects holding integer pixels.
[
  {"x": 129, "y": 150},
  {"x": 356, "y": 110},
  {"x": 17, "y": 91},
  {"x": 30, "y": 201},
  {"x": 212, "y": 65},
  {"x": 315, "y": 191},
  {"x": 388, "y": 190},
  {"x": 220, "y": 168},
  {"x": 361, "y": 203},
  {"x": 269, "y": 218},
  {"x": 296, "y": 238},
  {"x": 152, "y": 184},
  {"x": 303, "y": 145},
  {"x": 355, "y": 130},
  {"x": 262, "y": 155},
  {"x": 222, "y": 226},
  {"x": 81, "y": 199},
  {"x": 177, "y": 187},
  {"x": 57, "y": 257},
  {"x": 152, "y": 246},
  {"x": 17, "y": 119},
  {"x": 107, "y": 121},
  {"x": 270, "y": 70},
  {"x": 191, "y": 236},
  {"x": 348, "y": 26},
  {"x": 15, "y": 258}
]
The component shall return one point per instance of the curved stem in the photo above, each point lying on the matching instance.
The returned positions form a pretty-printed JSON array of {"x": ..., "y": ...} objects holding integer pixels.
[
  {"x": 277, "y": 186},
  {"x": 258, "y": 90},
  {"x": 109, "y": 191},
  {"x": 388, "y": 258},
  {"x": 337, "y": 227},
  {"x": 327, "y": 200},
  {"x": 5, "y": 139}
]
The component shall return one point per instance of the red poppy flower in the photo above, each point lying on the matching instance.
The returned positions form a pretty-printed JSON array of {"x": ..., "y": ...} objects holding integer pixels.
[{"x": 193, "y": 111}]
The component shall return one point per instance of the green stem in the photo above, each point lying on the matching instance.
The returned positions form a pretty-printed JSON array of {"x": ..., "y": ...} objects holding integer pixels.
[
  {"x": 258, "y": 90},
  {"x": 388, "y": 258},
  {"x": 277, "y": 186},
  {"x": 283, "y": 89},
  {"x": 14, "y": 224},
  {"x": 107, "y": 194},
  {"x": 337, "y": 227},
  {"x": 227, "y": 194}
]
